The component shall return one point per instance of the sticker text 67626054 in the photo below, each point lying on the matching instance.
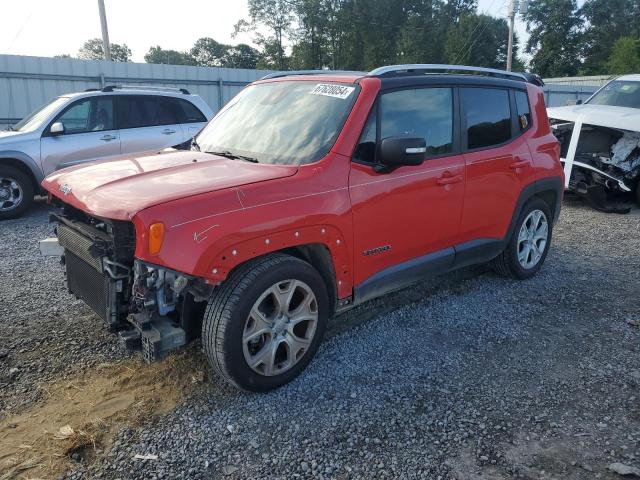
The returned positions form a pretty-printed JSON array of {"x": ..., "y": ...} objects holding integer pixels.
[{"x": 332, "y": 90}]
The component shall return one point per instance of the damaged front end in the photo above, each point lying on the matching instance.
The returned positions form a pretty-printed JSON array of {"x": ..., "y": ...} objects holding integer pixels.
[
  {"x": 599, "y": 161},
  {"x": 154, "y": 309}
]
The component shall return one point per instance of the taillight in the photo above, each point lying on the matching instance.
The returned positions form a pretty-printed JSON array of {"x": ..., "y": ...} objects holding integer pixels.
[{"x": 156, "y": 237}]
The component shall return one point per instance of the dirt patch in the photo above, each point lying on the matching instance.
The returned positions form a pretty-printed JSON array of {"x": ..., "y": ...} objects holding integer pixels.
[{"x": 80, "y": 414}]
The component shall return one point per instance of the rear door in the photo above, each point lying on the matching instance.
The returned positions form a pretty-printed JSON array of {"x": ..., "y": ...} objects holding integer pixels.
[
  {"x": 498, "y": 161},
  {"x": 89, "y": 134},
  {"x": 403, "y": 215},
  {"x": 148, "y": 123},
  {"x": 191, "y": 118}
]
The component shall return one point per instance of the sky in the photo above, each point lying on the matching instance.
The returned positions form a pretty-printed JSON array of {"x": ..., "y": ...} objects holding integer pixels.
[{"x": 47, "y": 27}]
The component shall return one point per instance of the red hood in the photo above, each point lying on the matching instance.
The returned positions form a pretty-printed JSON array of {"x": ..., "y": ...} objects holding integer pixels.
[{"x": 118, "y": 189}]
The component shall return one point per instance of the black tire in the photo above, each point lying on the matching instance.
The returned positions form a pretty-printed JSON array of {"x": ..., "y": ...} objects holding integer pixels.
[
  {"x": 638, "y": 192},
  {"x": 228, "y": 309},
  {"x": 26, "y": 187},
  {"x": 506, "y": 264}
]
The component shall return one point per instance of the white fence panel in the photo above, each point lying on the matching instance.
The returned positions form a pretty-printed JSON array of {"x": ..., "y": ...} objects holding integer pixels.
[{"x": 28, "y": 82}]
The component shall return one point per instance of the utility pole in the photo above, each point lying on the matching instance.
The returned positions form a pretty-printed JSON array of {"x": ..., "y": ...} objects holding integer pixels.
[
  {"x": 105, "y": 32},
  {"x": 511, "y": 12},
  {"x": 515, "y": 6}
]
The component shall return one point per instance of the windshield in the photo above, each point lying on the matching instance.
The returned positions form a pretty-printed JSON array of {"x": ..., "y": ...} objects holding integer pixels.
[
  {"x": 618, "y": 93},
  {"x": 288, "y": 122},
  {"x": 37, "y": 117}
]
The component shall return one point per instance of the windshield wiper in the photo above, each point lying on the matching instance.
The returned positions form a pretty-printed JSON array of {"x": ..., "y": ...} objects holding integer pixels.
[
  {"x": 194, "y": 145},
  {"x": 10, "y": 128},
  {"x": 233, "y": 156}
]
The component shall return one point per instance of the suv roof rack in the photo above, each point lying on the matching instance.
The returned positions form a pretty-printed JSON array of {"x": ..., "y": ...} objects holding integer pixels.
[
  {"x": 111, "y": 88},
  {"x": 310, "y": 72},
  {"x": 423, "y": 68}
]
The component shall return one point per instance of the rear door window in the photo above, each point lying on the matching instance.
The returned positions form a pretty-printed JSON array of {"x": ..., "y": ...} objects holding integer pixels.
[
  {"x": 488, "y": 116},
  {"x": 135, "y": 111},
  {"x": 167, "y": 111}
]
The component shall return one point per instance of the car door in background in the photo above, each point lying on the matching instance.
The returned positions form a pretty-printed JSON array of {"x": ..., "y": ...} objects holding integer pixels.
[
  {"x": 148, "y": 123},
  {"x": 408, "y": 217},
  {"x": 190, "y": 117},
  {"x": 498, "y": 161},
  {"x": 89, "y": 134}
]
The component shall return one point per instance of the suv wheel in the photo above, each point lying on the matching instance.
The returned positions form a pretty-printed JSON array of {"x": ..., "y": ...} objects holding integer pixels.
[
  {"x": 264, "y": 324},
  {"x": 529, "y": 243},
  {"x": 16, "y": 192}
]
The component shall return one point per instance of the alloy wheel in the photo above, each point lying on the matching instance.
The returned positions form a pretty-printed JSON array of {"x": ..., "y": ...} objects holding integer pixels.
[
  {"x": 280, "y": 327},
  {"x": 532, "y": 239},
  {"x": 11, "y": 194}
]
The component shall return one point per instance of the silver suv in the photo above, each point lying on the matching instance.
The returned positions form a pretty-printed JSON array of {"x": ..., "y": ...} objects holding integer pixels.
[{"x": 92, "y": 125}]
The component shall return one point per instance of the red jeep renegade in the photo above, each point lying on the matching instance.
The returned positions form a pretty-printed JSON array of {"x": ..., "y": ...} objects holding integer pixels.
[{"x": 308, "y": 193}]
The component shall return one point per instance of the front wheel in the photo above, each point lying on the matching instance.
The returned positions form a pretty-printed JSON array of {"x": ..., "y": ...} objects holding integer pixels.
[
  {"x": 264, "y": 324},
  {"x": 529, "y": 243},
  {"x": 16, "y": 192}
]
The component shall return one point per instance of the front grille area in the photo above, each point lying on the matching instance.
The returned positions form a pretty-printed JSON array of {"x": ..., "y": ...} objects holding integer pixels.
[
  {"x": 80, "y": 245},
  {"x": 88, "y": 242},
  {"x": 88, "y": 284}
]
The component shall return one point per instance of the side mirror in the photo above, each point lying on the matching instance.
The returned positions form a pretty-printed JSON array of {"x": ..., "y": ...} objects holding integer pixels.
[
  {"x": 57, "y": 128},
  {"x": 399, "y": 151}
]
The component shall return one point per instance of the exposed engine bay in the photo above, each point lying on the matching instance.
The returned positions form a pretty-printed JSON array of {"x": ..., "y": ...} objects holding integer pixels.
[
  {"x": 155, "y": 309},
  {"x": 599, "y": 161}
]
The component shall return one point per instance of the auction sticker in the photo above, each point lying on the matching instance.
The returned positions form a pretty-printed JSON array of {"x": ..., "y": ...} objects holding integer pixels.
[{"x": 332, "y": 90}]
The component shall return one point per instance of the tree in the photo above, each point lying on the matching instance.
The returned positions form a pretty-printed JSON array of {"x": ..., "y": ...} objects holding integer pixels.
[
  {"x": 606, "y": 22},
  {"x": 168, "y": 57},
  {"x": 92, "y": 50},
  {"x": 625, "y": 56},
  {"x": 209, "y": 53},
  {"x": 479, "y": 40},
  {"x": 241, "y": 56},
  {"x": 277, "y": 16},
  {"x": 554, "y": 41}
]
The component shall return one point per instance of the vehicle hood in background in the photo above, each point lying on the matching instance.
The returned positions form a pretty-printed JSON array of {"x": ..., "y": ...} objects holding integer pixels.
[
  {"x": 601, "y": 115},
  {"x": 118, "y": 189}
]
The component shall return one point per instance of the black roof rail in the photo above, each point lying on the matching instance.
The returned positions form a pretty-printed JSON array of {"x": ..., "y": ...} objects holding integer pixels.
[
  {"x": 424, "y": 68},
  {"x": 310, "y": 72},
  {"x": 91, "y": 89},
  {"x": 111, "y": 88}
]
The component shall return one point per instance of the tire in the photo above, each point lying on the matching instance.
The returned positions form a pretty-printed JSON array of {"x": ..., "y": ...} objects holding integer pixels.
[
  {"x": 246, "y": 303},
  {"x": 638, "y": 192},
  {"x": 16, "y": 192},
  {"x": 508, "y": 264}
]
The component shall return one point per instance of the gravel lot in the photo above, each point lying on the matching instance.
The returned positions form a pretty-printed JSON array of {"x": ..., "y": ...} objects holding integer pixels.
[{"x": 467, "y": 376}]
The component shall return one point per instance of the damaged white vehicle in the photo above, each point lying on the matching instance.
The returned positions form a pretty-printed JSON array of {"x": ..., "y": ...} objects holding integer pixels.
[{"x": 600, "y": 142}]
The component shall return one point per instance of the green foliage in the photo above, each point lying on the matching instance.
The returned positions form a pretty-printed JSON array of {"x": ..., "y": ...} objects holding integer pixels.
[
  {"x": 606, "y": 22},
  {"x": 169, "y": 57},
  {"x": 92, "y": 50},
  {"x": 554, "y": 28},
  {"x": 241, "y": 56},
  {"x": 625, "y": 56},
  {"x": 209, "y": 53},
  {"x": 488, "y": 48}
]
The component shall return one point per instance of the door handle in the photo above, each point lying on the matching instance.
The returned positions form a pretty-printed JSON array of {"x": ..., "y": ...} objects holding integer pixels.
[
  {"x": 168, "y": 131},
  {"x": 107, "y": 138},
  {"x": 448, "y": 179},
  {"x": 519, "y": 164}
]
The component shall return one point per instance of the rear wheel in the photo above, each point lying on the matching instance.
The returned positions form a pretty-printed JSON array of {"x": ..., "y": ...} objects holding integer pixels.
[
  {"x": 265, "y": 323},
  {"x": 529, "y": 243},
  {"x": 16, "y": 192}
]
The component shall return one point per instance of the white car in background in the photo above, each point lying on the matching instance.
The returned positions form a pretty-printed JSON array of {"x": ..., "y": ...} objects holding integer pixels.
[
  {"x": 600, "y": 142},
  {"x": 93, "y": 125}
]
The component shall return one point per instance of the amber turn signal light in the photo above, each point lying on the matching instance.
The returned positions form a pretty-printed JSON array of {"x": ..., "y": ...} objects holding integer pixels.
[{"x": 156, "y": 237}]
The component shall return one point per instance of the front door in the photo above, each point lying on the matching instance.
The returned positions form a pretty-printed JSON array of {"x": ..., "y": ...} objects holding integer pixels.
[
  {"x": 406, "y": 221},
  {"x": 89, "y": 134}
]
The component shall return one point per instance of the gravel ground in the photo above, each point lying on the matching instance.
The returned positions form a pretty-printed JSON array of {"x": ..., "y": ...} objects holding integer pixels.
[{"x": 466, "y": 376}]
